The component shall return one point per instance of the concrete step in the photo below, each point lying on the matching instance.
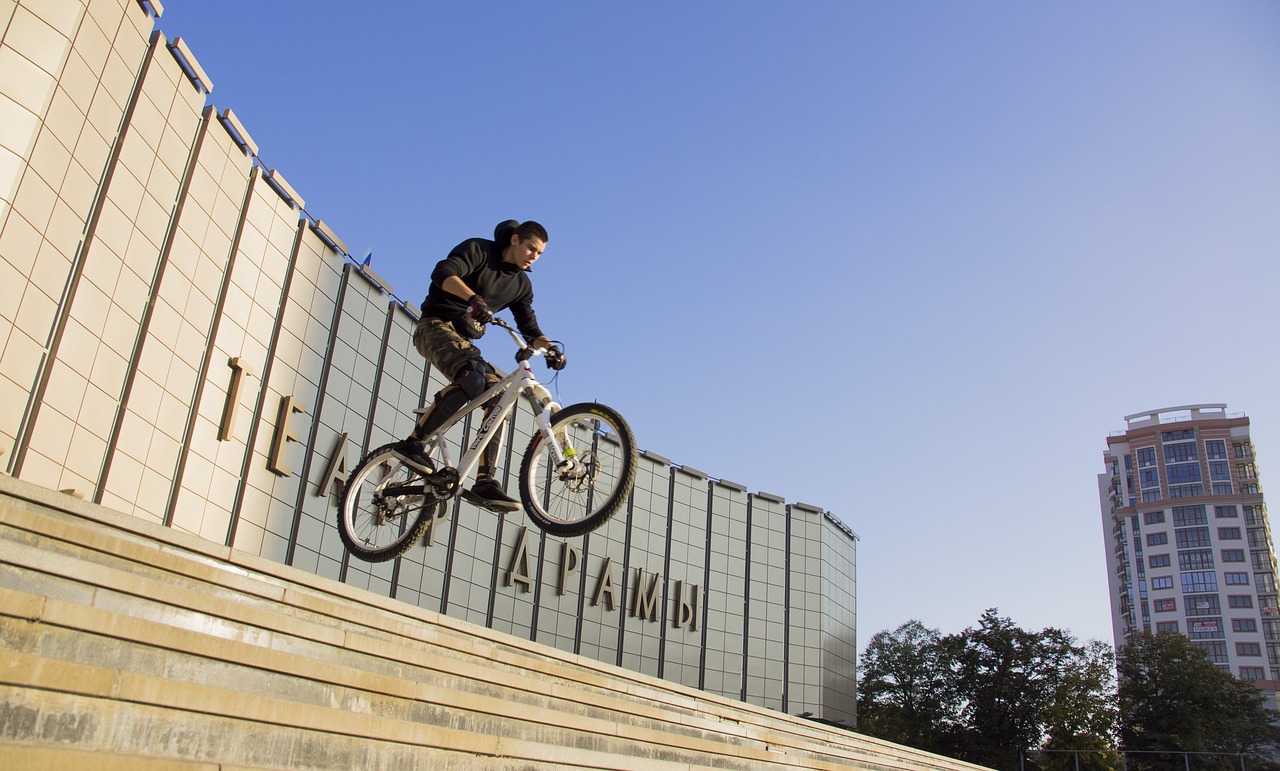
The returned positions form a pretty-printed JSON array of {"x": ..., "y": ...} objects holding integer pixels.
[{"x": 131, "y": 642}]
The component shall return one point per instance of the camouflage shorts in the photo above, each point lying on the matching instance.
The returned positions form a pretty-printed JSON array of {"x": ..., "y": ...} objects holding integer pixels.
[{"x": 448, "y": 351}]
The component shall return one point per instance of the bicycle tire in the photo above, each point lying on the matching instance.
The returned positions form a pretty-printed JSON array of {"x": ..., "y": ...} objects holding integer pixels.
[
  {"x": 603, "y": 441},
  {"x": 375, "y": 528}
]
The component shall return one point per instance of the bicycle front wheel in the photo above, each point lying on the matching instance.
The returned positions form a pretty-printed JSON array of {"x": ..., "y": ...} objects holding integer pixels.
[
  {"x": 594, "y": 482},
  {"x": 385, "y": 507}
]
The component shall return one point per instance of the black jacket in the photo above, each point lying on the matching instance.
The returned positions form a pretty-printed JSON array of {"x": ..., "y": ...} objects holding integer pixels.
[{"x": 478, "y": 262}]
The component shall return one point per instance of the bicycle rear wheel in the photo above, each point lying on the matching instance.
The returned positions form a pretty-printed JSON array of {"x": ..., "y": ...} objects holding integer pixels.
[
  {"x": 603, "y": 458},
  {"x": 385, "y": 507}
]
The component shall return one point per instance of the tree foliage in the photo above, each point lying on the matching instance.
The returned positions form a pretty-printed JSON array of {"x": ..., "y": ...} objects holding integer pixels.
[
  {"x": 905, "y": 693},
  {"x": 989, "y": 693},
  {"x": 1001, "y": 696},
  {"x": 1173, "y": 698}
]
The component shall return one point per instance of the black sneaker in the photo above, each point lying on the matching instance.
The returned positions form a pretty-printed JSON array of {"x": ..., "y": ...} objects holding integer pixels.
[
  {"x": 488, "y": 494},
  {"x": 415, "y": 453}
]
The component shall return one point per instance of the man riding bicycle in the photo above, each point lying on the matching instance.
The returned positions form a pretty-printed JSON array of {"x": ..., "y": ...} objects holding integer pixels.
[{"x": 477, "y": 279}]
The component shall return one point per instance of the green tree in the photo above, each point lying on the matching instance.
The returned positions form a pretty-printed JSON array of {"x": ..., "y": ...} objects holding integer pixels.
[
  {"x": 1005, "y": 678},
  {"x": 1081, "y": 714},
  {"x": 1171, "y": 697},
  {"x": 904, "y": 693},
  {"x": 990, "y": 693}
]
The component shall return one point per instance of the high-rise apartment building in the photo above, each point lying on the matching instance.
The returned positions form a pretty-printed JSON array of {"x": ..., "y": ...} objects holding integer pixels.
[{"x": 1189, "y": 548}]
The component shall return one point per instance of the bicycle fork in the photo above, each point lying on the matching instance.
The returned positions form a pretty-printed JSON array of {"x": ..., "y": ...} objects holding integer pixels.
[{"x": 562, "y": 454}]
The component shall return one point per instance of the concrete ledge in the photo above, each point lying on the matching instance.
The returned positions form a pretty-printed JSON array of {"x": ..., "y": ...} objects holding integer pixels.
[{"x": 129, "y": 645}]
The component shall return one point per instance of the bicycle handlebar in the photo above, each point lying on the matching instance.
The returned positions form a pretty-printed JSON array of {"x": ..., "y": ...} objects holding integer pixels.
[
  {"x": 526, "y": 351},
  {"x": 497, "y": 322}
]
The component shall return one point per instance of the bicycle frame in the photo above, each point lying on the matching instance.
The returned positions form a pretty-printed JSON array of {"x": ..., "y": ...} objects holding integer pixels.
[{"x": 521, "y": 382}]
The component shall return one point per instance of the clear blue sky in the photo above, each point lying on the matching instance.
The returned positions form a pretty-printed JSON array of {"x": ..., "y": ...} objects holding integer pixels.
[{"x": 909, "y": 261}]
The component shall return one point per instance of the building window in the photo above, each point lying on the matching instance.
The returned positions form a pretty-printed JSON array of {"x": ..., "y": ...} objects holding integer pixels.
[
  {"x": 1189, "y": 515},
  {"x": 1164, "y": 606},
  {"x": 1149, "y": 477},
  {"x": 1258, "y": 538},
  {"x": 1248, "y": 649},
  {"x": 1193, "y": 538},
  {"x": 1179, "y": 453},
  {"x": 1163, "y": 582},
  {"x": 1252, "y": 673},
  {"x": 1242, "y": 449},
  {"x": 1201, "y": 581},
  {"x": 1195, "y": 559},
  {"x": 1225, "y": 512},
  {"x": 1166, "y": 626},
  {"x": 1235, "y": 579},
  {"x": 1221, "y": 488},
  {"x": 1186, "y": 491},
  {"x": 1205, "y": 629},
  {"x": 1228, "y": 534},
  {"x": 1244, "y": 625},
  {"x": 1156, "y": 539},
  {"x": 1202, "y": 605},
  {"x": 1147, "y": 457},
  {"x": 1153, "y": 517},
  {"x": 1220, "y": 471},
  {"x": 1183, "y": 473},
  {"x": 1178, "y": 436},
  {"x": 1233, "y": 555},
  {"x": 1253, "y": 515},
  {"x": 1239, "y": 601},
  {"x": 1159, "y": 560},
  {"x": 1215, "y": 448},
  {"x": 1217, "y": 650}
]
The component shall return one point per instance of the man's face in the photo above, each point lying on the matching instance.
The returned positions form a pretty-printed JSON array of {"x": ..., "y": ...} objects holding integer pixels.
[{"x": 524, "y": 253}]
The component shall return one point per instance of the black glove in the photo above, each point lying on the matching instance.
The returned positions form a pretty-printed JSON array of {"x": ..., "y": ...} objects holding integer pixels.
[
  {"x": 555, "y": 358},
  {"x": 479, "y": 310}
]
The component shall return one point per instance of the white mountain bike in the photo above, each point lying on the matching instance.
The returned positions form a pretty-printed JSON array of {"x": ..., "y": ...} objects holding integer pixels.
[{"x": 578, "y": 470}]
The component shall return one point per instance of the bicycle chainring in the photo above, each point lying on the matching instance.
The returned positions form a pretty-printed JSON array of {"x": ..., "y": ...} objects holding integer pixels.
[{"x": 443, "y": 484}]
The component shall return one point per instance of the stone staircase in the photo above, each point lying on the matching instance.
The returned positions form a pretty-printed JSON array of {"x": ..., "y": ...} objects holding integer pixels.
[{"x": 125, "y": 645}]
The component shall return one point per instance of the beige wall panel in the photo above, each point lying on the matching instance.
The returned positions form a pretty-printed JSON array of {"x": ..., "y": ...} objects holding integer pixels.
[
  {"x": 200, "y": 255},
  {"x": 18, "y": 128},
  {"x": 121, "y": 263},
  {"x": 41, "y": 44},
  {"x": 34, "y": 201},
  {"x": 93, "y": 46},
  {"x": 265, "y": 529},
  {"x": 63, "y": 16},
  {"x": 317, "y": 285},
  {"x": 64, "y": 121},
  {"x": 163, "y": 370},
  {"x": 236, "y": 338},
  {"x": 7, "y": 7},
  {"x": 36, "y": 250}
]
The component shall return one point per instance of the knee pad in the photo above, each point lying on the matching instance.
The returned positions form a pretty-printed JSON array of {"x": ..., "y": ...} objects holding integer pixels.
[
  {"x": 449, "y": 401},
  {"x": 471, "y": 379}
]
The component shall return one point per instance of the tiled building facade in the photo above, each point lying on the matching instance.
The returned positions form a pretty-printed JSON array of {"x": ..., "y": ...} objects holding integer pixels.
[
  {"x": 182, "y": 341},
  {"x": 1189, "y": 546}
]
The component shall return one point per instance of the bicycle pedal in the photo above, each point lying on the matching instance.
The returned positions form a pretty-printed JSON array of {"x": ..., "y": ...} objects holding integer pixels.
[{"x": 497, "y": 507}]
